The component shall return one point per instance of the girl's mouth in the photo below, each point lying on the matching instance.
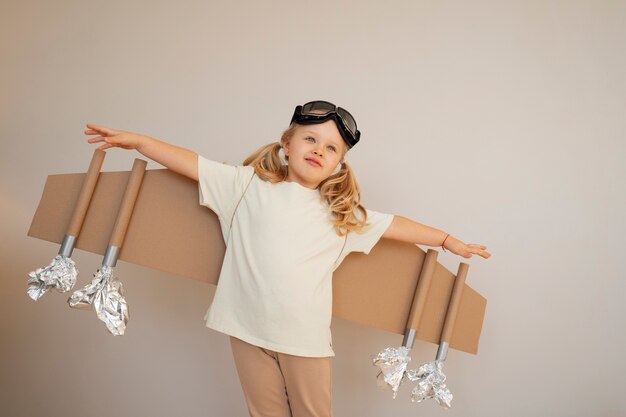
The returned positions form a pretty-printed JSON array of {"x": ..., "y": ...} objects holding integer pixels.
[{"x": 312, "y": 162}]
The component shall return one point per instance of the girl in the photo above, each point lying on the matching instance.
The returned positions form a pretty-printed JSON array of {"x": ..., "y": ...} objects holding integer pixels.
[{"x": 289, "y": 215}]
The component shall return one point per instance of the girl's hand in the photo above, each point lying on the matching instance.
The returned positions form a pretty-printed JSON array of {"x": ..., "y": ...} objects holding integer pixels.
[
  {"x": 459, "y": 248},
  {"x": 114, "y": 138}
]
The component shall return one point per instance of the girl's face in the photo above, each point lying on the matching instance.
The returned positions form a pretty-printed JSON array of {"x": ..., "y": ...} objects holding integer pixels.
[{"x": 319, "y": 142}]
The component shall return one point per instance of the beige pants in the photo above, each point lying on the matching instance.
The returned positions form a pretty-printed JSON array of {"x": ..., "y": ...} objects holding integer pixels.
[{"x": 276, "y": 384}]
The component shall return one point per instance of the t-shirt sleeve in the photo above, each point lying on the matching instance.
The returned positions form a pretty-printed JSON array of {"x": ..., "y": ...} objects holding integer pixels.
[
  {"x": 221, "y": 185},
  {"x": 365, "y": 239}
]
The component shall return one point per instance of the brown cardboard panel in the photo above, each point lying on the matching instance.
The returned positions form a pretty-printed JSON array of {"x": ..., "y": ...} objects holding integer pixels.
[{"x": 170, "y": 231}]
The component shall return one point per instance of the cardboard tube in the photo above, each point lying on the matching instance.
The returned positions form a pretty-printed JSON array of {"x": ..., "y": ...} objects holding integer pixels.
[
  {"x": 455, "y": 301},
  {"x": 84, "y": 198},
  {"x": 421, "y": 291},
  {"x": 128, "y": 203}
]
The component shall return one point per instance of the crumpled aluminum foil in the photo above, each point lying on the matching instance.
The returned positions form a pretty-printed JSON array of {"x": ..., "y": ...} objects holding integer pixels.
[
  {"x": 60, "y": 274},
  {"x": 392, "y": 363},
  {"x": 105, "y": 293},
  {"x": 431, "y": 384}
]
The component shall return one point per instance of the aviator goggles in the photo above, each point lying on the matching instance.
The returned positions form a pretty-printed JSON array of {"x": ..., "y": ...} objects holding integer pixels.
[{"x": 319, "y": 111}]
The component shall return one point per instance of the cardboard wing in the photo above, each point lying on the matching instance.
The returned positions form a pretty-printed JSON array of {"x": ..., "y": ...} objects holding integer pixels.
[{"x": 170, "y": 231}]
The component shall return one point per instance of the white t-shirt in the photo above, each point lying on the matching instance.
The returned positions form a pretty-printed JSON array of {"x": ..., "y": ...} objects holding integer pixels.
[{"x": 275, "y": 285}]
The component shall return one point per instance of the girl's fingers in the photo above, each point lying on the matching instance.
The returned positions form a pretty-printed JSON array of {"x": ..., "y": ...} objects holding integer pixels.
[
  {"x": 94, "y": 128},
  {"x": 476, "y": 245},
  {"x": 109, "y": 142},
  {"x": 102, "y": 130},
  {"x": 479, "y": 250}
]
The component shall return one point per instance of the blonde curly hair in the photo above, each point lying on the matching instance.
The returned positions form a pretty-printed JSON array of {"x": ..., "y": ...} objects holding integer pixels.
[{"x": 340, "y": 190}]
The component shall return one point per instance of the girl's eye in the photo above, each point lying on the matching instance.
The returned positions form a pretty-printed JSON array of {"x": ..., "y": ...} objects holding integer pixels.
[{"x": 330, "y": 146}]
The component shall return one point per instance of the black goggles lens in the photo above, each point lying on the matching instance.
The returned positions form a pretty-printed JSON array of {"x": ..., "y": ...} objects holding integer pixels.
[
  {"x": 319, "y": 110},
  {"x": 324, "y": 108}
]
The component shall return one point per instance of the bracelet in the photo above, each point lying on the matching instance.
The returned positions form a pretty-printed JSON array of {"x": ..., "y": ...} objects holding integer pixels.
[{"x": 444, "y": 241}]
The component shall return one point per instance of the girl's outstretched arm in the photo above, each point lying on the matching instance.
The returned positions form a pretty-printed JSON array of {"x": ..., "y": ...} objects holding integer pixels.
[
  {"x": 407, "y": 230},
  {"x": 180, "y": 160}
]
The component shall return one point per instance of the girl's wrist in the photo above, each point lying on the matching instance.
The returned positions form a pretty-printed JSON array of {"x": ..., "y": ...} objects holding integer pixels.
[
  {"x": 445, "y": 239},
  {"x": 143, "y": 141},
  {"x": 448, "y": 242}
]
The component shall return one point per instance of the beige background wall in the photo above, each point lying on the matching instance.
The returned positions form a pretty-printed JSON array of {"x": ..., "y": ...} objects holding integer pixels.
[{"x": 499, "y": 122}]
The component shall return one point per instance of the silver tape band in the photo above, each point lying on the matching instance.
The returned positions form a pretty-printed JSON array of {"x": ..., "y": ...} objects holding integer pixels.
[
  {"x": 67, "y": 246},
  {"x": 442, "y": 352},
  {"x": 409, "y": 338},
  {"x": 110, "y": 256}
]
